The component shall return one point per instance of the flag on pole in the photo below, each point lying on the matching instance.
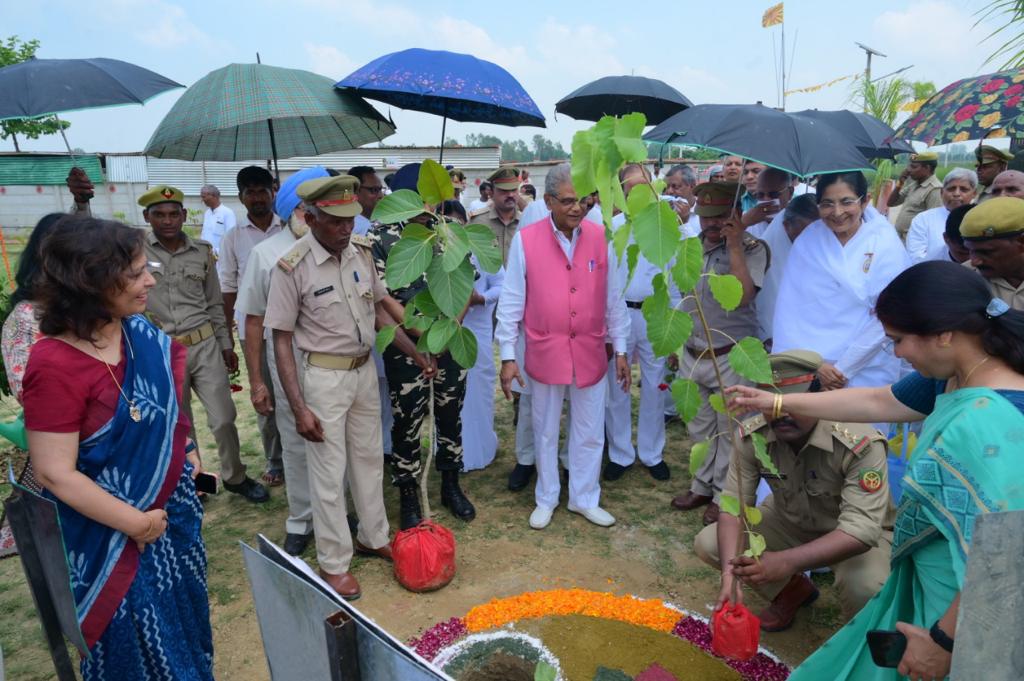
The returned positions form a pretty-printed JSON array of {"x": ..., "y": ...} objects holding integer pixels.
[{"x": 772, "y": 16}]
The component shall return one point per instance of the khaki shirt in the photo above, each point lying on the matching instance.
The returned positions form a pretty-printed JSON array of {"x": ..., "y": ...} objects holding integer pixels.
[
  {"x": 736, "y": 323},
  {"x": 916, "y": 198},
  {"x": 828, "y": 484},
  {"x": 984, "y": 194},
  {"x": 326, "y": 302},
  {"x": 502, "y": 232},
  {"x": 187, "y": 292},
  {"x": 1012, "y": 296}
]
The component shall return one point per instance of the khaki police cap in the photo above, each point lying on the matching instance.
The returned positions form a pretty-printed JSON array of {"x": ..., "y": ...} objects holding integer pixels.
[
  {"x": 716, "y": 198},
  {"x": 793, "y": 371},
  {"x": 333, "y": 195},
  {"x": 925, "y": 157},
  {"x": 506, "y": 178},
  {"x": 986, "y": 153},
  {"x": 995, "y": 218},
  {"x": 458, "y": 178},
  {"x": 161, "y": 193}
]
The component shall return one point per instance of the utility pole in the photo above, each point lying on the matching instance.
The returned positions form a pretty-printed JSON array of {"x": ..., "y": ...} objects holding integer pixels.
[{"x": 867, "y": 69}]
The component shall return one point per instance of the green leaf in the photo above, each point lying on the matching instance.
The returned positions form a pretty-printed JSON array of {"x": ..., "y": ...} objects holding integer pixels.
[
  {"x": 717, "y": 403},
  {"x": 757, "y": 545},
  {"x": 761, "y": 453},
  {"x": 698, "y": 452},
  {"x": 730, "y": 505},
  {"x": 727, "y": 290},
  {"x": 656, "y": 231},
  {"x": 450, "y": 290},
  {"x": 440, "y": 333},
  {"x": 689, "y": 262},
  {"x": 632, "y": 258},
  {"x": 753, "y": 515},
  {"x": 434, "y": 183},
  {"x": 640, "y": 196},
  {"x": 417, "y": 231},
  {"x": 749, "y": 359},
  {"x": 425, "y": 304},
  {"x": 384, "y": 337},
  {"x": 628, "y": 137},
  {"x": 463, "y": 347},
  {"x": 421, "y": 344},
  {"x": 456, "y": 247},
  {"x": 584, "y": 162},
  {"x": 659, "y": 186},
  {"x": 544, "y": 672},
  {"x": 398, "y": 207},
  {"x": 686, "y": 395},
  {"x": 667, "y": 328},
  {"x": 484, "y": 247},
  {"x": 407, "y": 261},
  {"x": 620, "y": 239},
  {"x": 412, "y": 320}
]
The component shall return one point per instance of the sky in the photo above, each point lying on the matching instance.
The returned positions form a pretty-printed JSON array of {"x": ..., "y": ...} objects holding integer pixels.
[{"x": 713, "y": 52}]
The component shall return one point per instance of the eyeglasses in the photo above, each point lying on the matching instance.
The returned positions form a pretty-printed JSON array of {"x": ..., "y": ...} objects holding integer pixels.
[
  {"x": 845, "y": 204},
  {"x": 372, "y": 190},
  {"x": 570, "y": 201}
]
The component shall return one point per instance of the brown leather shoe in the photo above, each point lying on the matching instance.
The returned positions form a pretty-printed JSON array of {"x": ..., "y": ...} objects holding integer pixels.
[
  {"x": 383, "y": 552},
  {"x": 779, "y": 615},
  {"x": 711, "y": 514},
  {"x": 690, "y": 501},
  {"x": 345, "y": 584}
]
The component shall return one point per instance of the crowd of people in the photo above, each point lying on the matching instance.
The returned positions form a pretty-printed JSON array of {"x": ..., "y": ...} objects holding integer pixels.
[{"x": 113, "y": 329}]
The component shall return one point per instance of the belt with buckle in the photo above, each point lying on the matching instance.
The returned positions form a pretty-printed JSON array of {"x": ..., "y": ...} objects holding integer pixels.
[
  {"x": 337, "y": 362},
  {"x": 707, "y": 353},
  {"x": 633, "y": 305},
  {"x": 195, "y": 335}
]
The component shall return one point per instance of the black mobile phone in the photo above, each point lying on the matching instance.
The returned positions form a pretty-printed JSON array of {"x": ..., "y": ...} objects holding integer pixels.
[
  {"x": 206, "y": 482},
  {"x": 887, "y": 647}
]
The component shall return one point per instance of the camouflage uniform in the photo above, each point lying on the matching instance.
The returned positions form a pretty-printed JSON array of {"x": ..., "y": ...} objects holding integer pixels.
[{"x": 410, "y": 392}]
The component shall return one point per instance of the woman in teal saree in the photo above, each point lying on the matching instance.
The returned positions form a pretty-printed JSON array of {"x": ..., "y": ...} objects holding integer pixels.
[{"x": 941, "y": 318}]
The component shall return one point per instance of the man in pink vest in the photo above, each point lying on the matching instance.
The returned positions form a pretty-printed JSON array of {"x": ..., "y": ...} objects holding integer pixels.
[{"x": 563, "y": 296}]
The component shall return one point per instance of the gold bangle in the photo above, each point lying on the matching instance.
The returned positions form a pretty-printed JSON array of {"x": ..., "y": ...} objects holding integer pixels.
[{"x": 777, "y": 406}]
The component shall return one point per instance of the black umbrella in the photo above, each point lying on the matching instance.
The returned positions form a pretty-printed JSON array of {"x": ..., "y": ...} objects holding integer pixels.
[
  {"x": 799, "y": 145},
  {"x": 871, "y": 136},
  {"x": 620, "y": 95}
]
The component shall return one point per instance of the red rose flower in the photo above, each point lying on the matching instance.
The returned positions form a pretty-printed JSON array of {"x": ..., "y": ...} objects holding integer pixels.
[
  {"x": 1012, "y": 101},
  {"x": 966, "y": 112},
  {"x": 235, "y": 388},
  {"x": 1013, "y": 89},
  {"x": 663, "y": 386},
  {"x": 993, "y": 85}
]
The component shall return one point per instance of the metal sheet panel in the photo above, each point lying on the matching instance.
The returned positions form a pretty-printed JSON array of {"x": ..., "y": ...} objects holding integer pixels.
[{"x": 126, "y": 169}]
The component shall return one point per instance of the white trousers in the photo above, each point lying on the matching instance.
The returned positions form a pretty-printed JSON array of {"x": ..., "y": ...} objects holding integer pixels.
[
  {"x": 586, "y": 442},
  {"x": 479, "y": 441},
  {"x": 650, "y": 428},
  {"x": 293, "y": 449}
]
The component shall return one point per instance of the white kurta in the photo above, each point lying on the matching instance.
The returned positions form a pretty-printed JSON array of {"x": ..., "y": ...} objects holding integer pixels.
[
  {"x": 479, "y": 441},
  {"x": 827, "y": 298},
  {"x": 925, "y": 236},
  {"x": 779, "y": 246}
]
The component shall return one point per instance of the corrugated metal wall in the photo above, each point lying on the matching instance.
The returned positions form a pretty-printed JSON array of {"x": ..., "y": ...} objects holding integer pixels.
[{"x": 127, "y": 169}]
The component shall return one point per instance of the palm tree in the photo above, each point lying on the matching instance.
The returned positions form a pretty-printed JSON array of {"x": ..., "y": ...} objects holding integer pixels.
[
  {"x": 883, "y": 98},
  {"x": 1010, "y": 13}
]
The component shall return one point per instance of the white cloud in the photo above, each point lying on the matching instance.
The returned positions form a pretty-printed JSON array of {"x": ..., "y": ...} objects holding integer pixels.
[
  {"x": 934, "y": 32},
  {"x": 329, "y": 61},
  {"x": 164, "y": 25}
]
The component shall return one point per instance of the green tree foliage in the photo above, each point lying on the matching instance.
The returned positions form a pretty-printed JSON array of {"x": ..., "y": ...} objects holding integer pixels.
[
  {"x": 14, "y": 51},
  {"x": 518, "y": 151},
  {"x": 1009, "y": 15}
]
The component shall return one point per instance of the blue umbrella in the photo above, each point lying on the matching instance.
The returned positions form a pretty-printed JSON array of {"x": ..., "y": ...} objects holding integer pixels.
[{"x": 447, "y": 84}]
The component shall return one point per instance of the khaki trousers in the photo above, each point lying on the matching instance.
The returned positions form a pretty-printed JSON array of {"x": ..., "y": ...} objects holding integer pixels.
[
  {"x": 206, "y": 374},
  {"x": 347, "y": 404},
  {"x": 857, "y": 578},
  {"x": 268, "y": 424},
  {"x": 293, "y": 446}
]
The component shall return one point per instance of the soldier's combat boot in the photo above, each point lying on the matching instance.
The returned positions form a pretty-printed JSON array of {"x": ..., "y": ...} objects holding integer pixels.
[
  {"x": 453, "y": 498},
  {"x": 409, "y": 512}
]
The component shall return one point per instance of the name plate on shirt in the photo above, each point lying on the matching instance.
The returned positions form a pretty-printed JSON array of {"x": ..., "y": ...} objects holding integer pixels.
[{"x": 325, "y": 289}]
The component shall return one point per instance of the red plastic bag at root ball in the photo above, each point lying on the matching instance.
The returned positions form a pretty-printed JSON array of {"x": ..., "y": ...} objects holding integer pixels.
[
  {"x": 735, "y": 632},
  {"x": 424, "y": 556}
]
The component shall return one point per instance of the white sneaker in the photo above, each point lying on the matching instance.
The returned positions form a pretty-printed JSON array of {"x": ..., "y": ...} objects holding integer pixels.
[
  {"x": 596, "y": 515},
  {"x": 541, "y": 517}
]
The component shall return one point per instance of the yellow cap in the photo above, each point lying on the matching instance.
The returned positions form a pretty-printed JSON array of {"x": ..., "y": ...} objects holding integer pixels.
[
  {"x": 925, "y": 157},
  {"x": 716, "y": 198},
  {"x": 793, "y": 371},
  {"x": 333, "y": 195},
  {"x": 161, "y": 193},
  {"x": 506, "y": 178},
  {"x": 994, "y": 218}
]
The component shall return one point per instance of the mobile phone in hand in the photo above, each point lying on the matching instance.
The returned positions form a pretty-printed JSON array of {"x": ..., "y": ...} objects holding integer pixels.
[
  {"x": 887, "y": 647},
  {"x": 206, "y": 482}
]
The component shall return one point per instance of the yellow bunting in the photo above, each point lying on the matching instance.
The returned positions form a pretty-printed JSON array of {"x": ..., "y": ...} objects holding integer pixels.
[{"x": 820, "y": 86}]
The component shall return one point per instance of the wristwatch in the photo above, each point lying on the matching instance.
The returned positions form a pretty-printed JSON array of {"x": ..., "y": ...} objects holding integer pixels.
[
  {"x": 941, "y": 638},
  {"x": 620, "y": 354}
]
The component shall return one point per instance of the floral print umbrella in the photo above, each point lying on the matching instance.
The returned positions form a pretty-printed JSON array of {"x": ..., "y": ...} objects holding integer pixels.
[{"x": 973, "y": 108}]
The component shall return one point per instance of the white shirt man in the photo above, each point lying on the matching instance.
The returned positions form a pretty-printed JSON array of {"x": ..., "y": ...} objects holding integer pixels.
[{"x": 218, "y": 219}]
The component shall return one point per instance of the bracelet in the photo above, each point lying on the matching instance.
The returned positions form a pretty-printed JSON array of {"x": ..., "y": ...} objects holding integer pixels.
[
  {"x": 941, "y": 638},
  {"x": 190, "y": 447},
  {"x": 777, "y": 406}
]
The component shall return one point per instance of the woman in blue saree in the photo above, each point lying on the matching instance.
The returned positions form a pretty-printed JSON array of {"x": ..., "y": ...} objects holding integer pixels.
[
  {"x": 108, "y": 442},
  {"x": 942, "y": 319}
]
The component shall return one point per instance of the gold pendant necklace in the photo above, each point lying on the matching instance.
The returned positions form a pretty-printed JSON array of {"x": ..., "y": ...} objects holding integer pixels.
[
  {"x": 133, "y": 411},
  {"x": 968, "y": 376}
]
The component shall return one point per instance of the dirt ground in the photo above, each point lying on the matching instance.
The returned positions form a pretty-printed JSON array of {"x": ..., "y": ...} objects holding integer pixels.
[{"x": 647, "y": 553}]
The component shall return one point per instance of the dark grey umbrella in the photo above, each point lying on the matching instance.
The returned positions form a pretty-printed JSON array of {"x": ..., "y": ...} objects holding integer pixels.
[
  {"x": 620, "y": 95},
  {"x": 871, "y": 136}
]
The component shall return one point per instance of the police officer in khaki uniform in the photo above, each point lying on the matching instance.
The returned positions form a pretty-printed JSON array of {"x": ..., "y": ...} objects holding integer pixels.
[
  {"x": 325, "y": 294},
  {"x": 728, "y": 249},
  {"x": 502, "y": 214},
  {"x": 830, "y": 505},
  {"x": 921, "y": 192},
  {"x": 993, "y": 234},
  {"x": 991, "y": 162},
  {"x": 186, "y": 304}
]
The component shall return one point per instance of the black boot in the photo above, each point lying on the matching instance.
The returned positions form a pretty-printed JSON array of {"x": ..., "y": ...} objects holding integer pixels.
[
  {"x": 453, "y": 499},
  {"x": 409, "y": 513}
]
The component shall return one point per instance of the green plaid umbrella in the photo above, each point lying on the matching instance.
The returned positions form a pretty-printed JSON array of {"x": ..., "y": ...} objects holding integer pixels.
[{"x": 253, "y": 111}]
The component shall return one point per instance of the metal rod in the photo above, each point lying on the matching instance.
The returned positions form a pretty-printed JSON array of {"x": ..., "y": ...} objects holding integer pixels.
[
  {"x": 444, "y": 123},
  {"x": 273, "y": 150}
]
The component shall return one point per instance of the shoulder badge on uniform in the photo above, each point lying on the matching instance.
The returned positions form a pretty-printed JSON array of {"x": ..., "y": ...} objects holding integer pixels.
[
  {"x": 361, "y": 240},
  {"x": 855, "y": 438},
  {"x": 479, "y": 211},
  {"x": 289, "y": 260},
  {"x": 870, "y": 480},
  {"x": 752, "y": 424}
]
